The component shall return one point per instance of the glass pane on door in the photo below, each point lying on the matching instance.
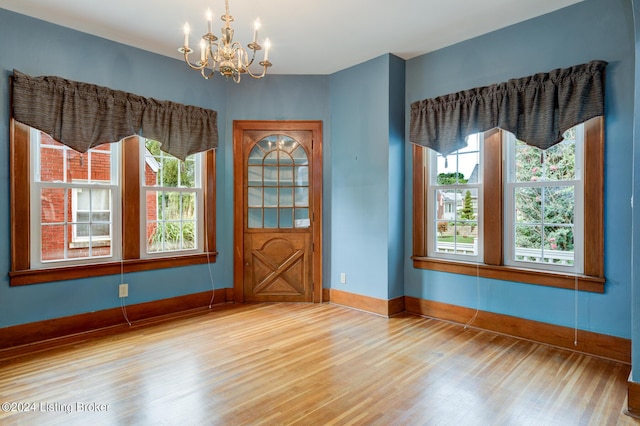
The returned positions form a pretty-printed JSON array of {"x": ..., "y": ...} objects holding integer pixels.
[{"x": 278, "y": 177}]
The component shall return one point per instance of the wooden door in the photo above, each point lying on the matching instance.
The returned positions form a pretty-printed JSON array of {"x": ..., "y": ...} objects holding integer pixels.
[{"x": 277, "y": 211}]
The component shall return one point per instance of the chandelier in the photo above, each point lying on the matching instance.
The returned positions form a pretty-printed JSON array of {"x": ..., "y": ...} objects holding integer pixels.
[{"x": 224, "y": 55}]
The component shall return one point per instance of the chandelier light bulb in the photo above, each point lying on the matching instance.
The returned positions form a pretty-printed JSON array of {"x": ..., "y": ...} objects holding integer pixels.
[
  {"x": 186, "y": 30},
  {"x": 267, "y": 45},
  {"x": 209, "y": 19},
  {"x": 256, "y": 27}
]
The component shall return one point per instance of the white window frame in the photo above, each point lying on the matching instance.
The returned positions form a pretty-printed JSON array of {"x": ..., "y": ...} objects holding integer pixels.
[
  {"x": 510, "y": 185},
  {"x": 198, "y": 190},
  {"x": 36, "y": 206},
  {"x": 432, "y": 202}
]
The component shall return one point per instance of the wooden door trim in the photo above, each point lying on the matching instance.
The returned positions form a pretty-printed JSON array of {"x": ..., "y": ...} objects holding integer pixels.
[{"x": 239, "y": 127}]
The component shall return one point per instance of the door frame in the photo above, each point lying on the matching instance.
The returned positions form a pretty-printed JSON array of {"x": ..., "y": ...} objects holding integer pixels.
[{"x": 239, "y": 127}]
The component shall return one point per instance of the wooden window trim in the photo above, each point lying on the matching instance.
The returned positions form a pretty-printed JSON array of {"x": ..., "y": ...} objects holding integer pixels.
[
  {"x": 21, "y": 272},
  {"x": 592, "y": 280}
]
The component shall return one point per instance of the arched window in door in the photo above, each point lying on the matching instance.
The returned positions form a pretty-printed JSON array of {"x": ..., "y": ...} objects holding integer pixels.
[{"x": 278, "y": 180}]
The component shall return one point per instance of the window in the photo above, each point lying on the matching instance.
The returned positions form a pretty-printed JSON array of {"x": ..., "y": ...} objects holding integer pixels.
[
  {"x": 539, "y": 213},
  {"x": 455, "y": 197},
  {"x": 172, "y": 196},
  {"x": 543, "y": 204},
  {"x": 72, "y": 199},
  {"x": 278, "y": 176},
  {"x": 122, "y": 205}
]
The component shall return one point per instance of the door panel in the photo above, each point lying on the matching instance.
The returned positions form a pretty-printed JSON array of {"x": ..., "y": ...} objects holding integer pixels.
[
  {"x": 277, "y": 267},
  {"x": 277, "y": 207}
]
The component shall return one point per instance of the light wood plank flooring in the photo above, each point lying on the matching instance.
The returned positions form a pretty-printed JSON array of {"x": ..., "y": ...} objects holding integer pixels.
[{"x": 308, "y": 364}]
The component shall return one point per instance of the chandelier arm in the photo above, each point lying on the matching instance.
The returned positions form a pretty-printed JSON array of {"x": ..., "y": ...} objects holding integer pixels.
[
  {"x": 265, "y": 65},
  {"x": 195, "y": 66},
  {"x": 254, "y": 47},
  {"x": 206, "y": 75}
]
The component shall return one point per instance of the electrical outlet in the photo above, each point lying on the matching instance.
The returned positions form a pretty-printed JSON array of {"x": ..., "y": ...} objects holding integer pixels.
[
  {"x": 123, "y": 290},
  {"x": 343, "y": 278}
]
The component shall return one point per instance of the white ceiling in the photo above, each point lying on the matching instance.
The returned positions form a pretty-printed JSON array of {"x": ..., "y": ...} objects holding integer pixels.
[{"x": 307, "y": 36}]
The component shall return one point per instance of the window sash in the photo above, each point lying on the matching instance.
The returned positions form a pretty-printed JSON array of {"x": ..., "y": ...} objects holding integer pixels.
[
  {"x": 36, "y": 224},
  {"x": 511, "y": 251},
  {"x": 435, "y": 249},
  {"x": 155, "y": 163}
]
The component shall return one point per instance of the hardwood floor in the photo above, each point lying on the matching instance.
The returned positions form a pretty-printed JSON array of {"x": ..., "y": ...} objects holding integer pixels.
[{"x": 309, "y": 364}]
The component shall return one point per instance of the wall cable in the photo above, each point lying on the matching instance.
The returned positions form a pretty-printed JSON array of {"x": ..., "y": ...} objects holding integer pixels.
[{"x": 475, "y": 315}]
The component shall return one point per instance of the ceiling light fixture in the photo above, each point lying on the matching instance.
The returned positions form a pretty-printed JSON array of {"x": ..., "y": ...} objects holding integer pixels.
[{"x": 224, "y": 55}]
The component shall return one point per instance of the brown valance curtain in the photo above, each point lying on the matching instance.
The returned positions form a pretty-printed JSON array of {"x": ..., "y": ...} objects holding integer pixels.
[
  {"x": 82, "y": 116},
  {"x": 536, "y": 109}
]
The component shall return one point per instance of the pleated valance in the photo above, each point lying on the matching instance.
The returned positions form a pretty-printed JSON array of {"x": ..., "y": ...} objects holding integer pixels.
[
  {"x": 83, "y": 116},
  {"x": 536, "y": 109}
]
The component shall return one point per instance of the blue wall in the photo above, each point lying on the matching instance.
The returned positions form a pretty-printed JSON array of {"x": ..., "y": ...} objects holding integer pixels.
[
  {"x": 396, "y": 177},
  {"x": 635, "y": 274},
  {"x": 39, "y": 48},
  {"x": 592, "y": 29},
  {"x": 367, "y": 133}
]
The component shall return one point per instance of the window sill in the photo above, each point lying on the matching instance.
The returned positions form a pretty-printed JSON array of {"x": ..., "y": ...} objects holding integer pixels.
[
  {"x": 508, "y": 273},
  {"x": 37, "y": 276}
]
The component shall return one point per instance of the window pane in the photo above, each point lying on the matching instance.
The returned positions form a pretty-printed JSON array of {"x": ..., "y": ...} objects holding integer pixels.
[
  {"x": 270, "y": 176},
  {"x": 528, "y": 242},
  {"x": 255, "y": 197},
  {"x": 284, "y": 158},
  {"x": 188, "y": 173},
  {"x": 302, "y": 176},
  {"x": 169, "y": 172},
  {"x": 528, "y": 163},
  {"x": 528, "y": 203},
  {"x": 466, "y": 204},
  {"x": 52, "y": 205},
  {"x": 559, "y": 163},
  {"x": 270, "y": 218},
  {"x": 286, "y": 176},
  {"x": 300, "y": 156},
  {"x": 255, "y": 156},
  {"x": 188, "y": 235},
  {"x": 100, "y": 164},
  {"x": 268, "y": 143},
  {"x": 255, "y": 218},
  {"x": 271, "y": 197},
  {"x": 302, "y": 218},
  {"x": 52, "y": 164},
  {"x": 286, "y": 197},
  {"x": 286, "y": 144},
  {"x": 286, "y": 218},
  {"x": 255, "y": 175},
  {"x": 302, "y": 196},
  {"x": 52, "y": 242},
  {"x": 558, "y": 205},
  {"x": 271, "y": 158}
]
